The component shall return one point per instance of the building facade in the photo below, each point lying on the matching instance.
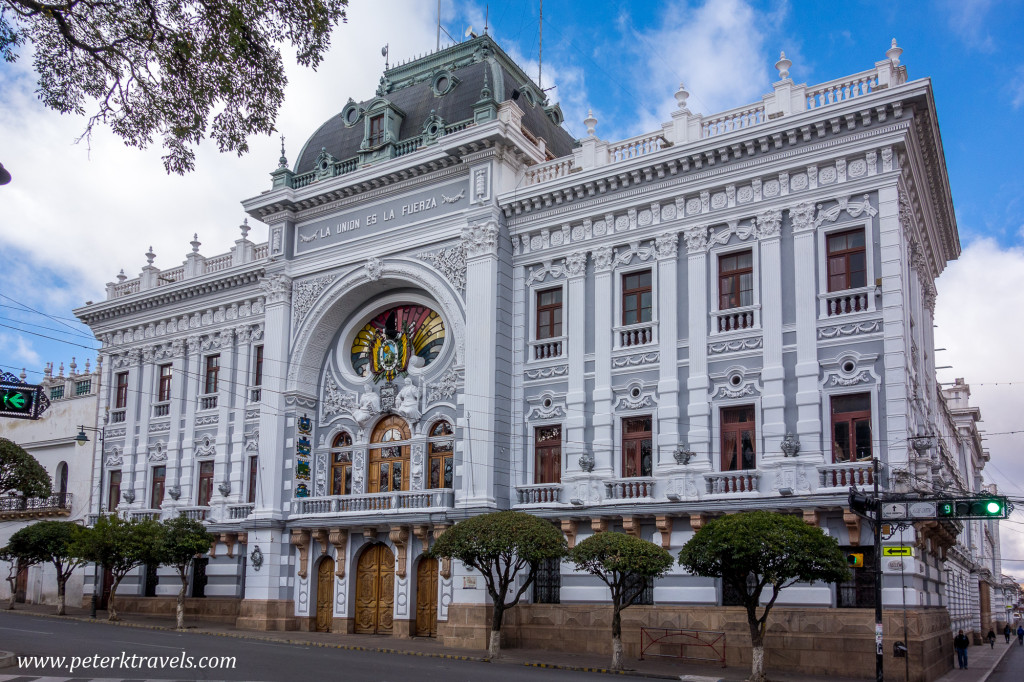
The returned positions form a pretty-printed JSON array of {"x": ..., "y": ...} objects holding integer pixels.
[
  {"x": 51, "y": 440},
  {"x": 460, "y": 309}
]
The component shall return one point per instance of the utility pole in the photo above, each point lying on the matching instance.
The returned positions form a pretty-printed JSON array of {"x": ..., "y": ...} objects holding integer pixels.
[{"x": 879, "y": 651}]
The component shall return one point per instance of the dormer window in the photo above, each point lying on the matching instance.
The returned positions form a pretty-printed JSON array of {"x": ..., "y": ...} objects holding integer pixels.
[
  {"x": 443, "y": 83},
  {"x": 377, "y": 136},
  {"x": 351, "y": 113}
]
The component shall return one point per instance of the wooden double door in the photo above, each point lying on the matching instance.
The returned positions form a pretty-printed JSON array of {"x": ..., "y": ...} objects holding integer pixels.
[
  {"x": 375, "y": 591},
  {"x": 426, "y": 598}
]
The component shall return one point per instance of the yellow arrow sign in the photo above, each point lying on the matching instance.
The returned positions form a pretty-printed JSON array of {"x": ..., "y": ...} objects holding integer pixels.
[{"x": 897, "y": 551}]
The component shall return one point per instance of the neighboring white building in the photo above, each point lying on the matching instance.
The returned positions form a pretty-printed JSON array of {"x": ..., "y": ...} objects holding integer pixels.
[
  {"x": 460, "y": 308},
  {"x": 50, "y": 439}
]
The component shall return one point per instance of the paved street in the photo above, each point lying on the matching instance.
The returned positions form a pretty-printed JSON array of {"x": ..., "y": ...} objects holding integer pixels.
[
  {"x": 256, "y": 660},
  {"x": 1009, "y": 669}
]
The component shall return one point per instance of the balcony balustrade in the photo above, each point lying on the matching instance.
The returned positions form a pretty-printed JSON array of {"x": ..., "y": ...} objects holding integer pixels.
[
  {"x": 539, "y": 493},
  {"x": 732, "y": 482},
  {"x": 547, "y": 349},
  {"x": 845, "y": 474},
  {"x": 405, "y": 500},
  {"x": 631, "y": 488}
]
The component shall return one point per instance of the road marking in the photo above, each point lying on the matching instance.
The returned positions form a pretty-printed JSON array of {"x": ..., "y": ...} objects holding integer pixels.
[
  {"x": 160, "y": 646},
  {"x": 38, "y": 632}
]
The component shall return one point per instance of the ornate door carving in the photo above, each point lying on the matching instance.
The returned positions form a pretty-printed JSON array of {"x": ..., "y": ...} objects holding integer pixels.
[
  {"x": 375, "y": 590},
  {"x": 325, "y": 596},
  {"x": 426, "y": 598}
]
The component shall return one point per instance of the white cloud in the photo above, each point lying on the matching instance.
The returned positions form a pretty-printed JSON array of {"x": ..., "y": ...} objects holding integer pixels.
[
  {"x": 16, "y": 351},
  {"x": 978, "y": 322},
  {"x": 1016, "y": 86},
  {"x": 967, "y": 22}
]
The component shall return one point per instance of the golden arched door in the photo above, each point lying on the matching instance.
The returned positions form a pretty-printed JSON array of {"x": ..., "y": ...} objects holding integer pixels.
[
  {"x": 375, "y": 590},
  {"x": 325, "y": 596},
  {"x": 426, "y": 598}
]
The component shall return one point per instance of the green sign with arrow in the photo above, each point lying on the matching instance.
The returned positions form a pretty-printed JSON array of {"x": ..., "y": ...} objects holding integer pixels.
[{"x": 19, "y": 400}]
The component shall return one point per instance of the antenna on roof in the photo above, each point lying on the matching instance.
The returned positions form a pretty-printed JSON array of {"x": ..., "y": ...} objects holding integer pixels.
[
  {"x": 540, "y": 48},
  {"x": 438, "y": 25},
  {"x": 384, "y": 53},
  {"x": 487, "y": 15},
  {"x": 469, "y": 33}
]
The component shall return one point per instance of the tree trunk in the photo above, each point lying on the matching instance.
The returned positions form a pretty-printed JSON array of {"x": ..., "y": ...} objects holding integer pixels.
[
  {"x": 757, "y": 651},
  {"x": 616, "y": 637},
  {"x": 495, "y": 643},
  {"x": 60, "y": 593},
  {"x": 111, "y": 610},
  {"x": 180, "y": 610},
  {"x": 13, "y": 582}
]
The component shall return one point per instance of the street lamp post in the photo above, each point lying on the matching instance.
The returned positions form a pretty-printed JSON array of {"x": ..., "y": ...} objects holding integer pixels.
[{"x": 82, "y": 439}]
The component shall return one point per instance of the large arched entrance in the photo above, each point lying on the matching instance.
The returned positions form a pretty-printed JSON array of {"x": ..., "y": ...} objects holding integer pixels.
[
  {"x": 389, "y": 456},
  {"x": 325, "y": 595},
  {"x": 426, "y": 597},
  {"x": 375, "y": 590}
]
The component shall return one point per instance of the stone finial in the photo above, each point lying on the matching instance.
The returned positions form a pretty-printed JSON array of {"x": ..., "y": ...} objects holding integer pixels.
[
  {"x": 121, "y": 276},
  {"x": 244, "y": 227},
  {"x": 87, "y": 366},
  {"x": 195, "y": 242},
  {"x": 682, "y": 94},
  {"x": 894, "y": 52},
  {"x": 783, "y": 66},
  {"x": 150, "y": 256},
  {"x": 590, "y": 122},
  {"x": 48, "y": 370},
  {"x": 73, "y": 366},
  {"x": 23, "y": 375},
  {"x": 60, "y": 372},
  {"x": 283, "y": 161}
]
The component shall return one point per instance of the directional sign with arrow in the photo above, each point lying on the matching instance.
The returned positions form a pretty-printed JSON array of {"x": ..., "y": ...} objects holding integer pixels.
[{"x": 19, "y": 400}]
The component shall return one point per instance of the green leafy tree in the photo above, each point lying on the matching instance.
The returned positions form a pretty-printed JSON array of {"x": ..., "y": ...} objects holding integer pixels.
[
  {"x": 20, "y": 472},
  {"x": 625, "y": 563},
  {"x": 175, "y": 69},
  {"x": 757, "y": 550},
  {"x": 121, "y": 546},
  {"x": 12, "y": 572},
  {"x": 501, "y": 545},
  {"x": 183, "y": 540},
  {"x": 56, "y": 542}
]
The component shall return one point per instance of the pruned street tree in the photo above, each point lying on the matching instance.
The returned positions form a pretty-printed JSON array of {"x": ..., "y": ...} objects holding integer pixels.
[
  {"x": 21, "y": 473},
  {"x": 121, "y": 546},
  {"x": 184, "y": 539},
  {"x": 56, "y": 542},
  {"x": 756, "y": 550},
  {"x": 501, "y": 545},
  {"x": 11, "y": 558},
  {"x": 625, "y": 564},
  {"x": 180, "y": 70}
]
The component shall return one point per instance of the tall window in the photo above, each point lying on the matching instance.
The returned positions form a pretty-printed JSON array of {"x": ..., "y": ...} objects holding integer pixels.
[
  {"x": 377, "y": 130},
  {"x": 636, "y": 297},
  {"x": 341, "y": 464},
  {"x": 735, "y": 280},
  {"x": 549, "y": 313},
  {"x": 212, "y": 371},
  {"x": 157, "y": 492},
  {"x": 114, "y": 491},
  {"x": 257, "y": 367},
  {"x": 442, "y": 447},
  {"x": 62, "y": 480},
  {"x": 738, "y": 438},
  {"x": 637, "y": 447},
  {"x": 847, "y": 261},
  {"x": 205, "y": 493},
  {"x": 121, "y": 394},
  {"x": 547, "y": 445},
  {"x": 389, "y": 456},
  {"x": 164, "y": 390},
  {"x": 254, "y": 467},
  {"x": 547, "y": 586},
  {"x": 851, "y": 427}
]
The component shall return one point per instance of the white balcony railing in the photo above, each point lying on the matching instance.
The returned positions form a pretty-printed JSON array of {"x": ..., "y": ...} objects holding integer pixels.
[
  {"x": 539, "y": 493},
  {"x": 846, "y": 302},
  {"x": 117, "y": 416},
  {"x": 237, "y": 512},
  {"x": 546, "y": 349},
  {"x": 630, "y": 488},
  {"x": 732, "y": 120},
  {"x": 161, "y": 409},
  {"x": 441, "y": 498},
  {"x": 633, "y": 335},
  {"x": 635, "y": 147},
  {"x": 842, "y": 89},
  {"x": 845, "y": 474},
  {"x": 736, "y": 319},
  {"x": 552, "y": 170},
  {"x": 208, "y": 402},
  {"x": 732, "y": 482},
  {"x": 255, "y": 393},
  {"x": 195, "y": 513},
  {"x": 144, "y": 515}
]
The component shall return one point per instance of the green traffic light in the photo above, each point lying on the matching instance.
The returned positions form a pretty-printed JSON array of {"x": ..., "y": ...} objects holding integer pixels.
[{"x": 993, "y": 507}]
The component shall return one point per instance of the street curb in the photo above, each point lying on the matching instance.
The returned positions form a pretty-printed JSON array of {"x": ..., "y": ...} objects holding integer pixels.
[
  {"x": 6, "y": 659},
  {"x": 998, "y": 661}
]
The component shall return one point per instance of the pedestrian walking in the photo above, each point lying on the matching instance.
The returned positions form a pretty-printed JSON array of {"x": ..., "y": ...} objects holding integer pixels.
[
  {"x": 1007, "y": 631},
  {"x": 1020, "y": 635},
  {"x": 960, "y": 643},
  {"x": 991, "y": 637}
]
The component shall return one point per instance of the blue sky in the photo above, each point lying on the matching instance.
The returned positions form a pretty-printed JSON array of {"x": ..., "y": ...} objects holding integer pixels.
[{"x": 76, "y": 214}]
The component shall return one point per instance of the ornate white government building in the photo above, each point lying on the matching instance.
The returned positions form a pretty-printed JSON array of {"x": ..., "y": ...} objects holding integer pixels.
[{"x": 460, "y": 308}]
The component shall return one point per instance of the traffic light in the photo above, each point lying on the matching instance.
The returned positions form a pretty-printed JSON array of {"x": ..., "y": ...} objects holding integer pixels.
[
  {"x": 862, "y": 503},
  {"x": 989, "y": 507},
  {"x": 855, "y": 560}
]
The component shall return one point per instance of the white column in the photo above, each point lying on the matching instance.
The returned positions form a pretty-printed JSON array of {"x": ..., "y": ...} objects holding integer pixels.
[
  {"x": 667, "y": 246},
  {"x": 192, "y": 383},
  {"x": 277, "y": 314},
  {"x": 177, "y": 450},
  {"x": 228, "y": 388},
  {"x": 895, "y": 343},
  {"x": 699, "y": 408},
  {"x": 237, "y": 463},
  {"x": 808, "y": 397},
  {"x": 773, "y": 399},
  {"x": 603, "y": 302},
  {"x": 131, "y": 418},
  {"x": 576, "y": 321},
  {"x": 146, "y": 400}
]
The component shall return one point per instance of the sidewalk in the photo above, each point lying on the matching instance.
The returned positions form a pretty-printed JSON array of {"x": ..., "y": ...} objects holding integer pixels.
[{"x": 982, "y": 659}]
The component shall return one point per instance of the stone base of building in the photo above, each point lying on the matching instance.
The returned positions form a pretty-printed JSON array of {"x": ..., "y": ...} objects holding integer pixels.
[
  {"x": 212, "y": 609},
  {"x": 809, "y": 641},
  {"x": 267, "y": 615}
]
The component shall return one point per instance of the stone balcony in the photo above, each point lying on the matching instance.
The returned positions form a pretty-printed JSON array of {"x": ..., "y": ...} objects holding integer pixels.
[{"x": 374, "y": 503}]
